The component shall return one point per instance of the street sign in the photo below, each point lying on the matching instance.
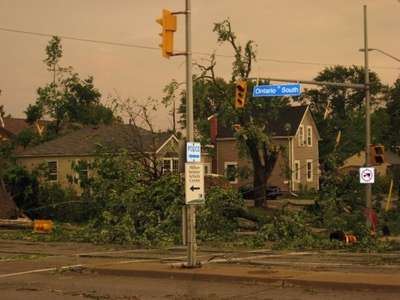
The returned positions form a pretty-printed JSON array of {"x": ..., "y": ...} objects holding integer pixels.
[
  {"x": 277, "y": 90},
  {"x": 194, "y": 183},
  {"x": 367, "y": 175},
  {"x": 193, "y": 152}
]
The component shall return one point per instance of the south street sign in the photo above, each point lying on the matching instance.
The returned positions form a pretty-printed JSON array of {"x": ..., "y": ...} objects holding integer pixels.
[
  {"x": 194, "y": 183},
  {"x": 275, "y": 90}
]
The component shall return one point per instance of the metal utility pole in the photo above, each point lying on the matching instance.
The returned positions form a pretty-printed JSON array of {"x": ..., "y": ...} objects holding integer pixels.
[
  {"x": 191, "y": 208},
  {"x": 368, "y": 186}
]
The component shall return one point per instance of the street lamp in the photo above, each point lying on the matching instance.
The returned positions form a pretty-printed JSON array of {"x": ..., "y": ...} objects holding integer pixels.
[{"x": 383, "y": 52}]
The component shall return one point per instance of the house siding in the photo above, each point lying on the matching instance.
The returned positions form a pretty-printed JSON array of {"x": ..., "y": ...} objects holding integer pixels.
[
  {"x": 304, "y": 153},
  {"x": 64, "y": 163},
  {"x": 64, "y": 167},
  {"x": 228, "y": 151}
]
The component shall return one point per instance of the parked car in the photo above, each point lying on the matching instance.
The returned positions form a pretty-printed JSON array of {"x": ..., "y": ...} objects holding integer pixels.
[{"x": 271, "y": 192}]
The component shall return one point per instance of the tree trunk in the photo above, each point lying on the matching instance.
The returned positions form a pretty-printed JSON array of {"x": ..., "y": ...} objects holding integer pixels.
[
  {"x": 259, "y": 173},
  {"x": 259, "y": 185}
]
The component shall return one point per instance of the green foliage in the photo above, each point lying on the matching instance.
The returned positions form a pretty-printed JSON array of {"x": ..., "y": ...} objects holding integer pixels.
[
  {"x": 27, "y": 137},
  {"x": 67, "y": 99},
  {"x": 126, "y": 207},
  {"x": 23, "y": 186},
  {"x": 342, "y": 110},
  {"x": 393, "y": 109},
  {"x": 218, "y": 218}
]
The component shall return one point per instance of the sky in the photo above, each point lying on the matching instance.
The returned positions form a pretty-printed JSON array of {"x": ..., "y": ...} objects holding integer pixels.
[{"x": 295, "y": 40}]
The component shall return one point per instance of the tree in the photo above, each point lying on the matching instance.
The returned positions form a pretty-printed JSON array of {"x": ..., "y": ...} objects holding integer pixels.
[
  {"x": 141, "y": 137},
  {"x": 393, "y": 109},
  {"x": 339, "y": 113},
  {"x": 214, "y": 95},
  {"x": 170, "y": 100},
  {"x": 68, "y": 98}
]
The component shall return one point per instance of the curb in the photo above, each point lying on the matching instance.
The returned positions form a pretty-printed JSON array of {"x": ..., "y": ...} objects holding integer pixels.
[{"x": 191, "y": 274}]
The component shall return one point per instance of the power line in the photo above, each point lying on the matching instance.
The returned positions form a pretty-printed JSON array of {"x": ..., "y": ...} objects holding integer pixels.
[{"x": 274, "y": 60}]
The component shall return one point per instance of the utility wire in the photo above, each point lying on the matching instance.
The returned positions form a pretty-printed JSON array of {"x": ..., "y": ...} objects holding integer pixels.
[{"x": 280, "y": 61}]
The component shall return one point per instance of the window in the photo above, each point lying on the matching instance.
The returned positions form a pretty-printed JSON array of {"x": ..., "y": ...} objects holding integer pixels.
[
  {"x": 170, "y": 165},
  {"x": 309, "y": 170},
  {"x": 52, "y": 168},
  {"x": 231, "y": 171},
  {"x": 83, "y": 170},
  {"x": 301, "y": 135},
  {"x": 309, "y": 136},
  {"x": 175, "y": 165},
  {"x": 207, "y": 168},
  {"x": 296, "y": 171}
]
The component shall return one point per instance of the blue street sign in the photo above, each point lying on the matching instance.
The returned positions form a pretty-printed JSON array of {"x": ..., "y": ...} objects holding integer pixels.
[
  {"x": 193, "y": 152},
  {"x": 277, "y": 90}
]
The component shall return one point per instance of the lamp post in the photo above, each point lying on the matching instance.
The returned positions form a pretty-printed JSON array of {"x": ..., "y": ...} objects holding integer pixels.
[{"x": 383, "y": 52}]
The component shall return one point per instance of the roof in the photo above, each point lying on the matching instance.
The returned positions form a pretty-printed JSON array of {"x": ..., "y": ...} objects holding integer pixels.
[
  {"x": 85, "y": 141},
  {"x": 15, "y": 125},
  {"x": 358, "y": 159},
  {"x": 285, "y": 125}
]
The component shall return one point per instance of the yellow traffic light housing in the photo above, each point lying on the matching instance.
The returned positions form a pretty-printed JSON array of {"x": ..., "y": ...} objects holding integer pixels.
[
  {"x": 377, "y": 154},
  {"x": 240, "y": 93},
  {"x": 168, "y": 24}
]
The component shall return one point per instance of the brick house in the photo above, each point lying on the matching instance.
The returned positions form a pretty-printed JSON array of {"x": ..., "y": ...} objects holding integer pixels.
[
  {"x": 81, "y": 145},
  {"x": 297, "y": 167}
]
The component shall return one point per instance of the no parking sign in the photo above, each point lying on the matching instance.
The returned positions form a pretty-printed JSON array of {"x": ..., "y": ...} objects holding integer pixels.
[{"x": 367, "y": 175}]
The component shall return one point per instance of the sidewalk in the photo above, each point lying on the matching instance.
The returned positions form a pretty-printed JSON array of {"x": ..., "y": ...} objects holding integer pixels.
[{"x": 248, "y": 273}]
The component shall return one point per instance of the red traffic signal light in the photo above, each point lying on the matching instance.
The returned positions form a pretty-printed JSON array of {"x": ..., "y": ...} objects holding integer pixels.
[
  {"x": 168, "y": 24},
  {"x": 240, "y": 93}
]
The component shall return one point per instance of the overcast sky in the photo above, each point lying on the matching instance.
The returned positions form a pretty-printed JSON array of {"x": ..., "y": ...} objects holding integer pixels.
[{"x": 325, "y": 32}]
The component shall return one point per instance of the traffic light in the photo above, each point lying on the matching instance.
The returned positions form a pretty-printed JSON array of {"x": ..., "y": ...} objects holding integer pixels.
[
  {"x": 240, "y": 93},
  {"x": 168, "y": 24},
  {"x": 377, "y": 154}
]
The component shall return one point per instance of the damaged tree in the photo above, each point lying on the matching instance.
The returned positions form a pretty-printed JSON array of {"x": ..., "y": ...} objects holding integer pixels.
[{"x": 213, "y": 95}]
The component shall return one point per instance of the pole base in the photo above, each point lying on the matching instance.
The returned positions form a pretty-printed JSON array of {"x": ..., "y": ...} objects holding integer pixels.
[{"x": 187, "y": 266}]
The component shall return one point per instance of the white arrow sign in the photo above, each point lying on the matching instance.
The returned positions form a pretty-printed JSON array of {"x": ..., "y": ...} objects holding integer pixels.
[{"x": 194, "y": 183}]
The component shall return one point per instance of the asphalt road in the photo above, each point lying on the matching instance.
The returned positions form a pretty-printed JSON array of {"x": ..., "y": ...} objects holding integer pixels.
[{"x": 57, "y": 271}]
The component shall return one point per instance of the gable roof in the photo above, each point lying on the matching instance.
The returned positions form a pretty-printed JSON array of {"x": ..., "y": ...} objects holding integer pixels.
[
  {"x": 86, "y": 140},
  {"x": 286, "y": 123}
]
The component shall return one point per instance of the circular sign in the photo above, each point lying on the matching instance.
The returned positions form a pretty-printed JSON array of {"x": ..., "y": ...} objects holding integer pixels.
[{"x": 367, "y": 175}]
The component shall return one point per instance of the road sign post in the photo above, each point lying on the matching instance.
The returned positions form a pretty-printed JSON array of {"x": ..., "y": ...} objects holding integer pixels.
[{"x": 194, "y": 183}]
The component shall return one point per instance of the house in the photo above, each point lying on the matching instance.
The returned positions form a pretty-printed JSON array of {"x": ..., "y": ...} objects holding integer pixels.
[
  {"x": 81, "y": 145},
  {"x": 297, "y": 167},
  {"x": 11, "y": 127},
  {"x": 390, "y": 165}
]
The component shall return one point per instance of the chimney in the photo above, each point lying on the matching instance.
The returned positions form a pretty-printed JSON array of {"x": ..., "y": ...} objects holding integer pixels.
[{"x": 213, "y": 128}]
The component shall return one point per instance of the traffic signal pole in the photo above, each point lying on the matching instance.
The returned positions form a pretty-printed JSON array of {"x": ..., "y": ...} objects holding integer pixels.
[
  {"x": 365, "y": 87},
  {"x": 368, "y": 186},
  {"x": 191, "y": 208},
  {"x": 168, "y": 23}
]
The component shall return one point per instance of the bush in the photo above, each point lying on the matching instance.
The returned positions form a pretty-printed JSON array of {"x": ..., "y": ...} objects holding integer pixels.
[{"x": 218, "y": 218}]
